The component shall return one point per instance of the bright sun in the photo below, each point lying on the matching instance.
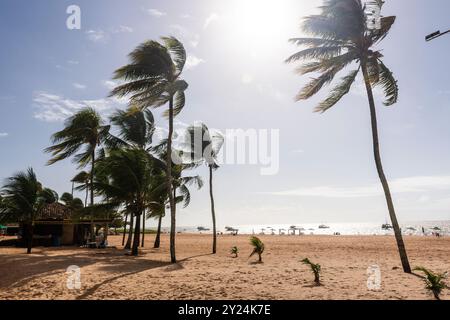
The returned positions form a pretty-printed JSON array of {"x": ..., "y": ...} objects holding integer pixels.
[{"x": 262, "y": 24}]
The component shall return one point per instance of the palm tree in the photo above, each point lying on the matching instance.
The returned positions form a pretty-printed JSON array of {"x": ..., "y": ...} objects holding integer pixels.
[
  {"x": 83, "y": 133},
  {"x": 136, "y": 127},
  {"x": 258, "y": 247},
  {"x": 83, "y": 178},
  {"x": 153, "y": 79},
  {"x": 434, "y": 282},
  {"x": 234, "y": 251},
  {"x": 23, "y": 197},
  {"x": 130, "y": 173},
  {"x": 75, "y": 204},
  {"x": 315, "y": 268},
  {"x": 205, "y": 147},
  {"x": 341, "y": 35}
]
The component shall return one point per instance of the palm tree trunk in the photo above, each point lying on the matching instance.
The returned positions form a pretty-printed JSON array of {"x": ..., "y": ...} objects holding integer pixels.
[
  {"x": 381, "y": 175},
  {"x": 29, "y": 237},
  {"x": 92, "y": 190},
  {"x": 214, "y": 248},
  {"x": 124, "y": 230},
  {"x": 158, "y": 233},
  {"x": 130, "y": 233},
  {"x": 143, "y": 229},
  {"x": 173, "y": 258},
  {"x": 137, "y": 230},
  {"x": 87, "y": 194}
]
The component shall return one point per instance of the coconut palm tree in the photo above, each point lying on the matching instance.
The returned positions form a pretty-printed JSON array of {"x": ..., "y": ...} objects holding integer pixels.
[
  {"x": 204, "y": 147},
  {"x": 83, "y": 133},
  {"x": 153, "y": 79},
  {"x": 23, "y": 197},
  {"x": 342, "y": 35},
  {"x": 83, "y": 179},
  {"x": 130, "y": 173},
  {"x": 258, "y": 247},
  {"x": 75, "y": 204},
  {"x": 434, "y": 282},
  {"x": 315, "y": 268},
  {"x": 136, "y": 127},
  {"x": 234, "y": 251}
]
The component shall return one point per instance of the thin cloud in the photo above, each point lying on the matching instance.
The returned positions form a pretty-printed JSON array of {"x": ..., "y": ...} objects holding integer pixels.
[
  {"x": 185, "y": 35},
  {"x": 421, "y": 184},
  {"x": 79, "y": 86},
  {"x": 192, "y": 62},
  {"x": 109, "y": 84},
  {"x": 97, "y": 35},
  {"x": 54, "y": 108},
  {"x": 156, "y": 13},
  {"x": 4, "y": 134},
  {"x": 212, "y": 17}
]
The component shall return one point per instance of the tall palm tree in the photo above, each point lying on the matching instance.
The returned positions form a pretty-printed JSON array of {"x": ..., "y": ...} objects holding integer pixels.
[
  {"x": 341, "y": 35},
  {"x": 23, "y": 197},
  {"x": 83, "y": 133},
  {"x": 204, "y": 147},
  {"x": 130, "y": 172},
  {"x": 153, "y": 79},
  {"x": 136, "y": 127}
]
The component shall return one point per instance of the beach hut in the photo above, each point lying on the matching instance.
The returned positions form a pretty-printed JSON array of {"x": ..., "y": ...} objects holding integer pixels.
[{"x": 56, "y": 224}]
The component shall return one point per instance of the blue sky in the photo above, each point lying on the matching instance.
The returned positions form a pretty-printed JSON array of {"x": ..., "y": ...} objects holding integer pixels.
[{"x": 238, "y": 81}]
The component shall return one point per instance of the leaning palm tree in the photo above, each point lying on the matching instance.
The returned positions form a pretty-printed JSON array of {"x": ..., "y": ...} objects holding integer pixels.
[
  {"x": 130, "y": 173},
  {"x": 135, "y": 128},
  {"x": 83, "y": 133},
  {"x": 434, "y": 282},
  {"x": 258, "y": 247},
  {"x": 23, "y": 197},
  {"x": 341, "y": 35},
  {"x": 315, "y": 268},
  {"x": 204, "y": 147},
  {"x": 153, "y": 79}
]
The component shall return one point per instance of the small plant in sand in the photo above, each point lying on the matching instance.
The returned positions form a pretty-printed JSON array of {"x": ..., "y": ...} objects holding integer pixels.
[
  {"x": 434, "y": 282},
  {"x": 315, "y": 268},
  {"x": 234, "y": 251},
  {"x": 258, "y": 247}
]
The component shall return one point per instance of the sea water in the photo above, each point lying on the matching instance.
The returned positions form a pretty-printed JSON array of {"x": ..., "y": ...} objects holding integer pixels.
[{"x": 408, "y": 228}]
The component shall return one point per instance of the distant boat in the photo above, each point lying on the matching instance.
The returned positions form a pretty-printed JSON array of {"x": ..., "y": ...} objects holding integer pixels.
[
  {"x": 386, "y": 226},
  {"x": 323, "y": 226}
]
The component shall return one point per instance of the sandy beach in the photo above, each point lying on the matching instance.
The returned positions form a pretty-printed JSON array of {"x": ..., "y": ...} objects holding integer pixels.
[{"x": 111, "y": 274}]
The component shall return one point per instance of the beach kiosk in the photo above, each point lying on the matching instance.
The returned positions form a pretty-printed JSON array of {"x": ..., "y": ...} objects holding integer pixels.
[{"x": 56, "y": 224}]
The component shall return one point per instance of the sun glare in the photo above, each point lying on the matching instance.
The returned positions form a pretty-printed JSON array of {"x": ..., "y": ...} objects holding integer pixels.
[{"x": 257, "y": 25}]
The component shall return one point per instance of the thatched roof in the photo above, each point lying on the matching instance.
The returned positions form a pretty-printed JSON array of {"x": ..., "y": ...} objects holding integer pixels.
[{"x": 55, "y": 211}]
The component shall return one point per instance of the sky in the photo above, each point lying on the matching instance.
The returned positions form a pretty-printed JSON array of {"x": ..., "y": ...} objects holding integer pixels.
[{"x": 238, "y": 80}]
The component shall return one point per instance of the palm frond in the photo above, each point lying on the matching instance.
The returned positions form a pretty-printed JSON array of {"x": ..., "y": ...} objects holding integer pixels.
[
  {"x": 316, "y": 84},
  {"x": 389, "y": 84},
  {"x": 338, "y": 92}
]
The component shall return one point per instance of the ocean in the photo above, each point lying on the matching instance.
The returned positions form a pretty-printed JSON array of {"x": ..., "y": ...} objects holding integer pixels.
[{"x": 409, "y": 228}]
